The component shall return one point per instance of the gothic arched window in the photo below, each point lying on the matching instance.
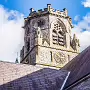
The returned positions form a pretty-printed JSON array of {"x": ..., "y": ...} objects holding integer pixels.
[{"x": 58, "y": 34}]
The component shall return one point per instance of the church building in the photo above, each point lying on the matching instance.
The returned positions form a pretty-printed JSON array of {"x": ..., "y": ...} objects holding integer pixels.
[
  {"x": 50, "y": 58},
  {"x": 47, "y": 38}
]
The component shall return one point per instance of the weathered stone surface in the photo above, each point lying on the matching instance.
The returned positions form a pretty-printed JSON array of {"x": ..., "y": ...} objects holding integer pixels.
[{"x": 47, "y": 32}]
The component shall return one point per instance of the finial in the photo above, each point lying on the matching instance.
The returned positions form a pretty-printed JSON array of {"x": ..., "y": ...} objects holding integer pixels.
[
  {"x": 31, "y": 10},
  {"x": 49, "y": 7},
  {"x": 66, "y": 11},
  {"x": 74, "y": 36}
]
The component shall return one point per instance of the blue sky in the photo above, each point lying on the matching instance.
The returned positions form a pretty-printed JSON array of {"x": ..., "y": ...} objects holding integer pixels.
[
  {"x": 74, "y": 6},
  {"x": 12, "y": 13}
]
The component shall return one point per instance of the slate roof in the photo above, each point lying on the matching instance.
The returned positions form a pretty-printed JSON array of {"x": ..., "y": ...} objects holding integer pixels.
[
  {"x": 29, "y": 77},
  {"x": 78, "y": 67}
]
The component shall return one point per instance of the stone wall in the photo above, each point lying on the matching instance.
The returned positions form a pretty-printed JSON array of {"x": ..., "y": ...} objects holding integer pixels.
[{"x": 53, "y": 57}]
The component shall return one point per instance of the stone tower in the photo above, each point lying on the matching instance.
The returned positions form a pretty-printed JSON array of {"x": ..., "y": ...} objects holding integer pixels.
[{"x": 47, "y": 39}]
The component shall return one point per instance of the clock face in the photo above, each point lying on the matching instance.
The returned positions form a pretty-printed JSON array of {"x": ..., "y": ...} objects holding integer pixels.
[{"x": 59, "y": 57}]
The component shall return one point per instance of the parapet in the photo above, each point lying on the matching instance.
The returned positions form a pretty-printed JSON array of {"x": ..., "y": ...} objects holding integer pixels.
[{"x": 49, "y": 10}]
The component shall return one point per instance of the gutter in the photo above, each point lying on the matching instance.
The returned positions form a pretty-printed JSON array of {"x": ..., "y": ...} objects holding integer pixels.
[
  {"x": 65, "y": 81},
  {"x": 78, "y": 82}
]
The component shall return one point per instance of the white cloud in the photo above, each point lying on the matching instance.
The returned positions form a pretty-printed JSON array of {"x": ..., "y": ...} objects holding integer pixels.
[
  {"x": 82, "y": 30},
  {"x": 77, "y": 18},
  {"x": 11, "y": 34},
  {"x": 86, "y": 3}
]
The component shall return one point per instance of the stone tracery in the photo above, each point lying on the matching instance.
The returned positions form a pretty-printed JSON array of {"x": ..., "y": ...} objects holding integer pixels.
[{"x": 58, "y": 34}]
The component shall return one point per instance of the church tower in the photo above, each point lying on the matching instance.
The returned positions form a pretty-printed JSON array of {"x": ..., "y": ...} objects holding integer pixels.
[{"x": 47, "y": 39}]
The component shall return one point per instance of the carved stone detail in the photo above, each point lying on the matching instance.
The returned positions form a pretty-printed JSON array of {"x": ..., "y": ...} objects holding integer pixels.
[
  {"x": 75, "y": 43},
  {"x": 59, "y": 57},
  {"x": 45, "y": 57},
  {"x": 40, "y": 22},
  {"x": 46, "y": 37}
]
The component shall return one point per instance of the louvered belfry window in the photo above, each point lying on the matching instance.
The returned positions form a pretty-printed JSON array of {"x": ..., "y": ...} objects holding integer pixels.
[{"x": 58, "y": 34}]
